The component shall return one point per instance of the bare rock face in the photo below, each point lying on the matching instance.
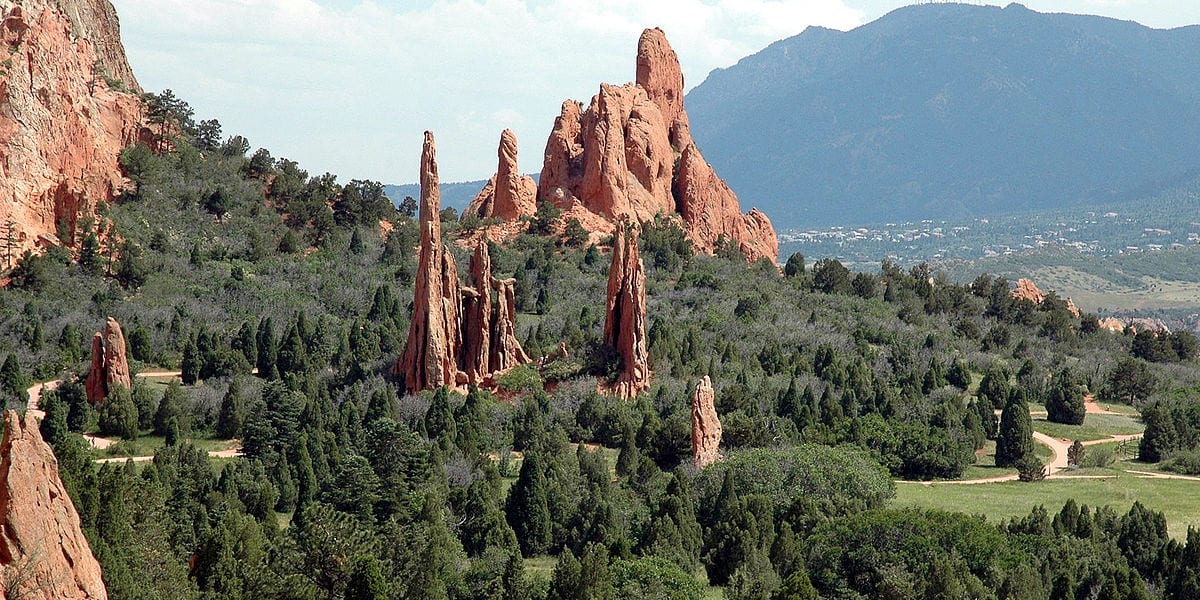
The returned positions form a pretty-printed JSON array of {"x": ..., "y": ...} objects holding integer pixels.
[
  {"x": 625, "y": 316},
  {"x": 711, "y": 213},
  {"x": 706, "y": 427},
  {"x": 630, "y": 156},
  {"x": 42, "y": 548},
  {"x": 68, "y": 105},
  {"x": 110, "y": 367},
  {"x": 458, "y": 335},
  {"x": 1027, "y": 290},
  {"x": 508, "y": 195}
]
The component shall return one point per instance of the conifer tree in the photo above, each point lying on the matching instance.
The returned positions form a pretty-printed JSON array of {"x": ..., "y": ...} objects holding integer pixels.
[
  {"x": 527, "y": 510},
  {"x": 1014, "y": 442},
  {"x": 1064, "y": 402}
]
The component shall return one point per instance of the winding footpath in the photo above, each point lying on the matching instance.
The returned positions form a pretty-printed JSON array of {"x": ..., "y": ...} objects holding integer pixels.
[{"x": 100, "y": 443}]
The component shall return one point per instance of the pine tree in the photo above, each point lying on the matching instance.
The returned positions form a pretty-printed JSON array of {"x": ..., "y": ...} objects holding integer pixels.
[
  {"x": 366, "y": 578},
  {"x": 119, "y": 415},
  {"x": 527, "y": 510},
  {"x": 232, "y": 413},
  {"x": 1064, "y": 402},
  {"x": 439, "y": 419},
  {"x": 267, "y": 353},
  {"x": 1015, "y": 440},
  {"x": 190, "y": 366}
]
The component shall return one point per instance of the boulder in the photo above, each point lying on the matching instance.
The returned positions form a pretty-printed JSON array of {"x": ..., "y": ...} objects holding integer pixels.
[
  {"x": 43, "y": 552},
  {"x": 110, "y": 365},
  {"x": 625, "y": 316},
  {"x": 706, "y": 427},
  {"x": 508, "y": 195}
]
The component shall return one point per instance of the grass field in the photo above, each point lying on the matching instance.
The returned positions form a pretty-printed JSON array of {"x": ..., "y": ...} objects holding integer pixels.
[
  {"x": 1094, "y": 427},
  {"x": 147, "y": 445},
  {"x": 1175, "y": 498}
]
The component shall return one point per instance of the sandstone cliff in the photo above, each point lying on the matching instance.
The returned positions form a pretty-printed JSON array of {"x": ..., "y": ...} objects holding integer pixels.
[
  {"x": 706, "y": 427},
  {"x": 625, "y": 316},
  {"x": 43, "y": 553},
  {"x": 110, "y": 365},
  {"x": 508, "y": 195},
  {"x": 68, "y": 106},
  {"x": 457, "y": 336},
  {"x": 630, "y": 156}
]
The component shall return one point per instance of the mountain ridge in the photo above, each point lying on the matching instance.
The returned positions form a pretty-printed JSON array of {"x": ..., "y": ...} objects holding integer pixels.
[{"x": 953, "y": 110}]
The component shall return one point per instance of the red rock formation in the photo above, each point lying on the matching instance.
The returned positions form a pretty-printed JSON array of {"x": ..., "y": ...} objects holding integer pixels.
[
  {"x": 508, "y": 195},
  {"x": 429, "y": 356},
  {"x": 618, "y": 160},
  {"x": 706, "y": 427},
  {"x": 456, "y": 337},
  {"x": 1027, "y": 290},
  {"x": 625, "y": 316},
  {"x": 42, "y": 548},
  {"x": 68, "y": 105},
  {"x": 110, "y": 367}
]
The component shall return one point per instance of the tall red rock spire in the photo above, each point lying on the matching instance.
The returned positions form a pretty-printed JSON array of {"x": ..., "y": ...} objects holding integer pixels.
[
  {"x": 456, "y": 337},
  {"x": 110, "y": 366},
  {"x": 509, "y": 195},
  {"x": 625, "y": 315},
  {"x": 706, "y": 427}
]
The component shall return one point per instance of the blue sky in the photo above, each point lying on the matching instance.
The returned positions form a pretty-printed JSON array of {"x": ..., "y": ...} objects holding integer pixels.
[{"x": 347, "y": 86}]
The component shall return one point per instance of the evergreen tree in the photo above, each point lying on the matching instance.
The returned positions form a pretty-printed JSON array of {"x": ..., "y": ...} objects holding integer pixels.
[
  {"x": 232, "y": 412},
  {"x": 1014, "y": 442},
  {"x": 119, "y": 415},
  {"x": 173, "y": 405},
  {"x": 1064, "y": 402},
  {"x": 527, "y": 510},
  {"x": 267, "y": 353},
  {"x": 366, "y": 579},
  {"x": 191, "y": 365},
  {"x": 674, "y": 533},
  {"x": 439, "y": 419},
  {"x": 11, "y": 378}
]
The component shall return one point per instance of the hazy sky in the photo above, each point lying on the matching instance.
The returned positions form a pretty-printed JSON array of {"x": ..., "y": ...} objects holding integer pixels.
[{"x": 347, "y": 86}]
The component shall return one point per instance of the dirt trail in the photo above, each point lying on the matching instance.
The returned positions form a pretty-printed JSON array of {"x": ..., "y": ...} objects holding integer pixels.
[{"x": 100, "y": 443}]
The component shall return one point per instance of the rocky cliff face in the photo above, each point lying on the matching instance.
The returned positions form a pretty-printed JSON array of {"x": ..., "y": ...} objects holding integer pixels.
[
  {"x": 508, "y": 195},
  {"x": 630, "y": 156},
  {"x": 110, "y": 366},
  {"x": 68, "y": 105},
  {"x": 458, "y": 335},
  {"x": 625, "y": 316},
  {"x": 43, "y": 553},
  {"x": 706, "y": 427}
]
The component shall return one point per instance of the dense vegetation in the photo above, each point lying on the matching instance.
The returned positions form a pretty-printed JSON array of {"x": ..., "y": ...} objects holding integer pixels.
[{"x": 283, "y": 298}]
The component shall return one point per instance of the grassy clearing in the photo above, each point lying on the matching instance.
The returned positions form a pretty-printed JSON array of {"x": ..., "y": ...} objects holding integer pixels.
[
  {"x": 1175, "y": 498},
  {"x": 1094, "y": 427},
  {"x": 147, "y": 445}
]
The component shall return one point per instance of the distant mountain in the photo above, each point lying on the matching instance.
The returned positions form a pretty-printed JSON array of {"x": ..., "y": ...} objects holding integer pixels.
[
  {"x": 457, "y": 195},
  {"x": 949, "y": 110}
]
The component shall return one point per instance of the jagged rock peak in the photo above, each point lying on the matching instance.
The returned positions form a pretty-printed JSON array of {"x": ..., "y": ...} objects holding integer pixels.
[
  {"x": 630, "y": 156},
  {"x": 41, "y": 540},
  {"x": 508, "y": 195},
  {"x": 659, "y": 73},
  {"x": 68, "y": 105},
  {"x": 706, "y": 427},
  {"x": 110, "y": 365},
  {"x": 625, "y": 315},
  {"x": 455, "y": 337}
]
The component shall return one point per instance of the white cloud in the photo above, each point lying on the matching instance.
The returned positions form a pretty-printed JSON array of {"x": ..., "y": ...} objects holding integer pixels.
[{"x": 348, "y": 86}]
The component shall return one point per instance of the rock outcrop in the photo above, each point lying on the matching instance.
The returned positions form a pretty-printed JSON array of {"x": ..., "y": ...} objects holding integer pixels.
[
  {"x": 110, "y": 366},
  {"x": 625, "y": 316},
  {"x": 630, "y": 156},
  {"x": 458, "y": 335},
  {"x": 706, "y": 427},
  {"x": 43, "y": 552},
  {"x": 1027, "y": 290},
  {"x": 68, "y": 105},
  {"x": 508, "y": 195}
]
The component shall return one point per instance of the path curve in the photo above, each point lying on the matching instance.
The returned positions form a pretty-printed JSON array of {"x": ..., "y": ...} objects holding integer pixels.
[{"x": 100, "y": 443}]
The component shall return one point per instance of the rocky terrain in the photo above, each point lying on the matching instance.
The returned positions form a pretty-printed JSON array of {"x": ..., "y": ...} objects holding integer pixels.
[
  {"x": 68, "y": 105},
  {"x": 110, "y": 366},
  {"x": 43, "y": 553},
  {"x": 630, "y": 156}
]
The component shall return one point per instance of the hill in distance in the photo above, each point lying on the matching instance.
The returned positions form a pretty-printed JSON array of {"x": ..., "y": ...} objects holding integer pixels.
[{"x": 951, "y": 111}]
